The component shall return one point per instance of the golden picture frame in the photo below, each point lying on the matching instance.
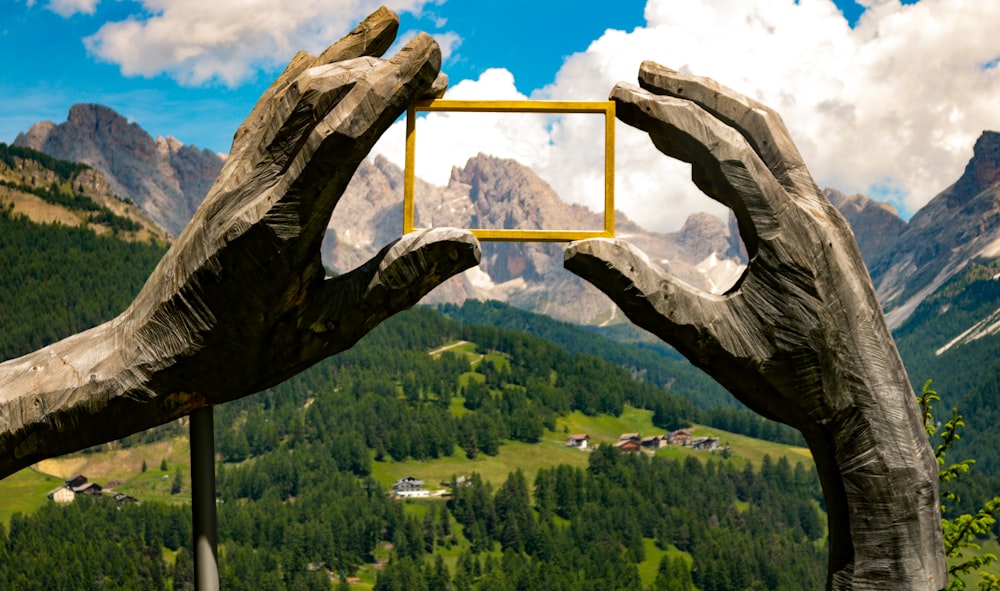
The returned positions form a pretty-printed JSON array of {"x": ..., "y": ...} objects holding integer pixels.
[{"x": 607, "y": 108}]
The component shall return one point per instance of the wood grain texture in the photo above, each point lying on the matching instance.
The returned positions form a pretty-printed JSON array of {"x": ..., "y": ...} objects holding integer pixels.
[
  {"x": 241, "y": 301},
  {"x": 800, "y": 338}
]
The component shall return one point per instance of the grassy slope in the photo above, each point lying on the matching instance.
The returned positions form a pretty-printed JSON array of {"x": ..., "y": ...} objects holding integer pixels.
[
  {"x": 990, "y": 546},
  {"x": 552, "y": 450},
  {"x": 26, "y": 490}
]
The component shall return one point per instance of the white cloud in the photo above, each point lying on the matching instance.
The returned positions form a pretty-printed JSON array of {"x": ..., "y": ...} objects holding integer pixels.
[
  {"x": 196, "y": 41},
  {"x": 894, "y": 104},
  {"x": 449, "y": 42},
  {"x": 891, "y": 107},
  {"x": 450, "y": 139},
  {"x": 67, "y": 8}
]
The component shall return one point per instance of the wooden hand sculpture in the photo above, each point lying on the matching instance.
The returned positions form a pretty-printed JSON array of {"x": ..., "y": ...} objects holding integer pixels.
[
  {"x": 241, "y": 301},
  {"x": 800, "y": 338}
]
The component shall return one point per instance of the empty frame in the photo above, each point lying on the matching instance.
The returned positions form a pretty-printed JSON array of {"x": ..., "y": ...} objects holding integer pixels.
[{"x": 605, "y": 108}]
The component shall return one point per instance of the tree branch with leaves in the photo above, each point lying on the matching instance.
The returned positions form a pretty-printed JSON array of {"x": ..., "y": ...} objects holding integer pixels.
[{"x": 962, "y": 533}]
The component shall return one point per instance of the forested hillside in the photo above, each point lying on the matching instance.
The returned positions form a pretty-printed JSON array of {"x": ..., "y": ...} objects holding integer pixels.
[
  {"x": 57, "y": 280},
  {"x": 298, "y": 500},
  {"x": 71, "y": 253},
  {"x": 656, "y": 361},
  {"x": 952, "y": 339},
  {"x": 47, "y": 190}
]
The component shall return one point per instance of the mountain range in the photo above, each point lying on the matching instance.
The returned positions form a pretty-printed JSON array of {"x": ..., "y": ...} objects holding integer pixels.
[
  {"x": 164, "y": 177},
  {"x": 907, "y": 260},
  {"x": 937, "y": 275},
  {"x": 168, "y": 180}
]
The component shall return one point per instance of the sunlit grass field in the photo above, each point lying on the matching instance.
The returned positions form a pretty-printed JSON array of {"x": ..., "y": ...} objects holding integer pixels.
[
  {"x": 24, "y": 492},
  {"x": 552, "y": 450}
]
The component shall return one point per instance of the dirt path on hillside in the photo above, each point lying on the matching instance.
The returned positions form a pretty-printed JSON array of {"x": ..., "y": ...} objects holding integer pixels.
[{"x": 440, "y": 350}]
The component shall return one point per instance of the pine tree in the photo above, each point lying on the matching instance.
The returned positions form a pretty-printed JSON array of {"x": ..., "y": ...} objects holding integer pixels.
[
  {"x": 184, "y": 571},
  {"x": 177, "y": 484}
]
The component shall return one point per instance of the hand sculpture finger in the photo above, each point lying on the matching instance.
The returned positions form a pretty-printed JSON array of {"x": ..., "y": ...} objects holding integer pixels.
[
  {"x": 680, "y": 314},
  {"x": 712, "y": 331},
  {"x": 267, "y": 218},
  {"x": 759, "y": 124},
  {"x": 267, "y": 213},
  {"x": 343, "y": 309},
  {"x": 316, "y": 114},
  {"x": 709, "y": 330},
  {"x": 724, "y": 167},
  {"x": 373, "y": 36}
]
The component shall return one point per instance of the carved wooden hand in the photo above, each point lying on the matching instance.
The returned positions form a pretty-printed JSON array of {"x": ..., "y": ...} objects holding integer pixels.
[
  {"x": 800, "y": 338},
  {"x": 241, "y": 301}
]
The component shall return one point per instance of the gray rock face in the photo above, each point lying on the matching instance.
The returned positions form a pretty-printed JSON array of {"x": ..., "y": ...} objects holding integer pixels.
[
  {"x": 491, "y": 192},
  {"x": 167, "y": 179},
  {"x": 959, "y": 224},
  {"x": 875, "y": 223}
]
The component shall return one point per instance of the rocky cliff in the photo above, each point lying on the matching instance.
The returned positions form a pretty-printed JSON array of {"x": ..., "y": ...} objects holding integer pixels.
[
  {"x": 958, "y": 225},
  {"x": 875, "y": 223},
  {"x": 167, "y": 179},
  {"x": 907, "y": 261},
  {"x": 490, "y": 192}
]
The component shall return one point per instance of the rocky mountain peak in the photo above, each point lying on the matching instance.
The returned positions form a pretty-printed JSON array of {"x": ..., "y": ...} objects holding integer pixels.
[
  {"x": 167, "y": 179},
  {"x": 956, "y": 226},
  {"x": 100, "y": 120},
  {"x": 509, "y": 195},
  {"x": 982, "y": 171},
  {"x": 706, "y": 231},
  {"x": 168, "y": 144},
  {"x": 36, "y": 135},
  {"x": 875, "y": 223}
]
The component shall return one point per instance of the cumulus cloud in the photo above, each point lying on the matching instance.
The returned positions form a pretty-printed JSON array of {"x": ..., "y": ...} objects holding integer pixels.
[
  {"x": 444, "y": 139},
  {"x": 891, "y": 108},
  {"x": 196, "y": 41},
  {"x": 449, "y": 42},
  {"x": 67, "y": 8}
]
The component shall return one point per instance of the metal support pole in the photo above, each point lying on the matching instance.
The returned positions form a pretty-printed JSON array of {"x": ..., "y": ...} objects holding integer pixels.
[{"x": 206, "y": 565}]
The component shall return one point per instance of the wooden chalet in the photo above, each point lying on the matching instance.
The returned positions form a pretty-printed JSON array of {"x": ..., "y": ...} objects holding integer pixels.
[
  {"x": 654, "y": 441},
  {"x": 629, "y": 446},
  {"x": 679, "y": 437},
  {"x": 62, "y": 495},
  {"x": 78, "y": 480}
]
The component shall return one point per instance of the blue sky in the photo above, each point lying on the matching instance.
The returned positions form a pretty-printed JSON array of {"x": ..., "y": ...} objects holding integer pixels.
[
  {"x": 55, "y": 69},
  {"x": 882, "y": 97}
]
